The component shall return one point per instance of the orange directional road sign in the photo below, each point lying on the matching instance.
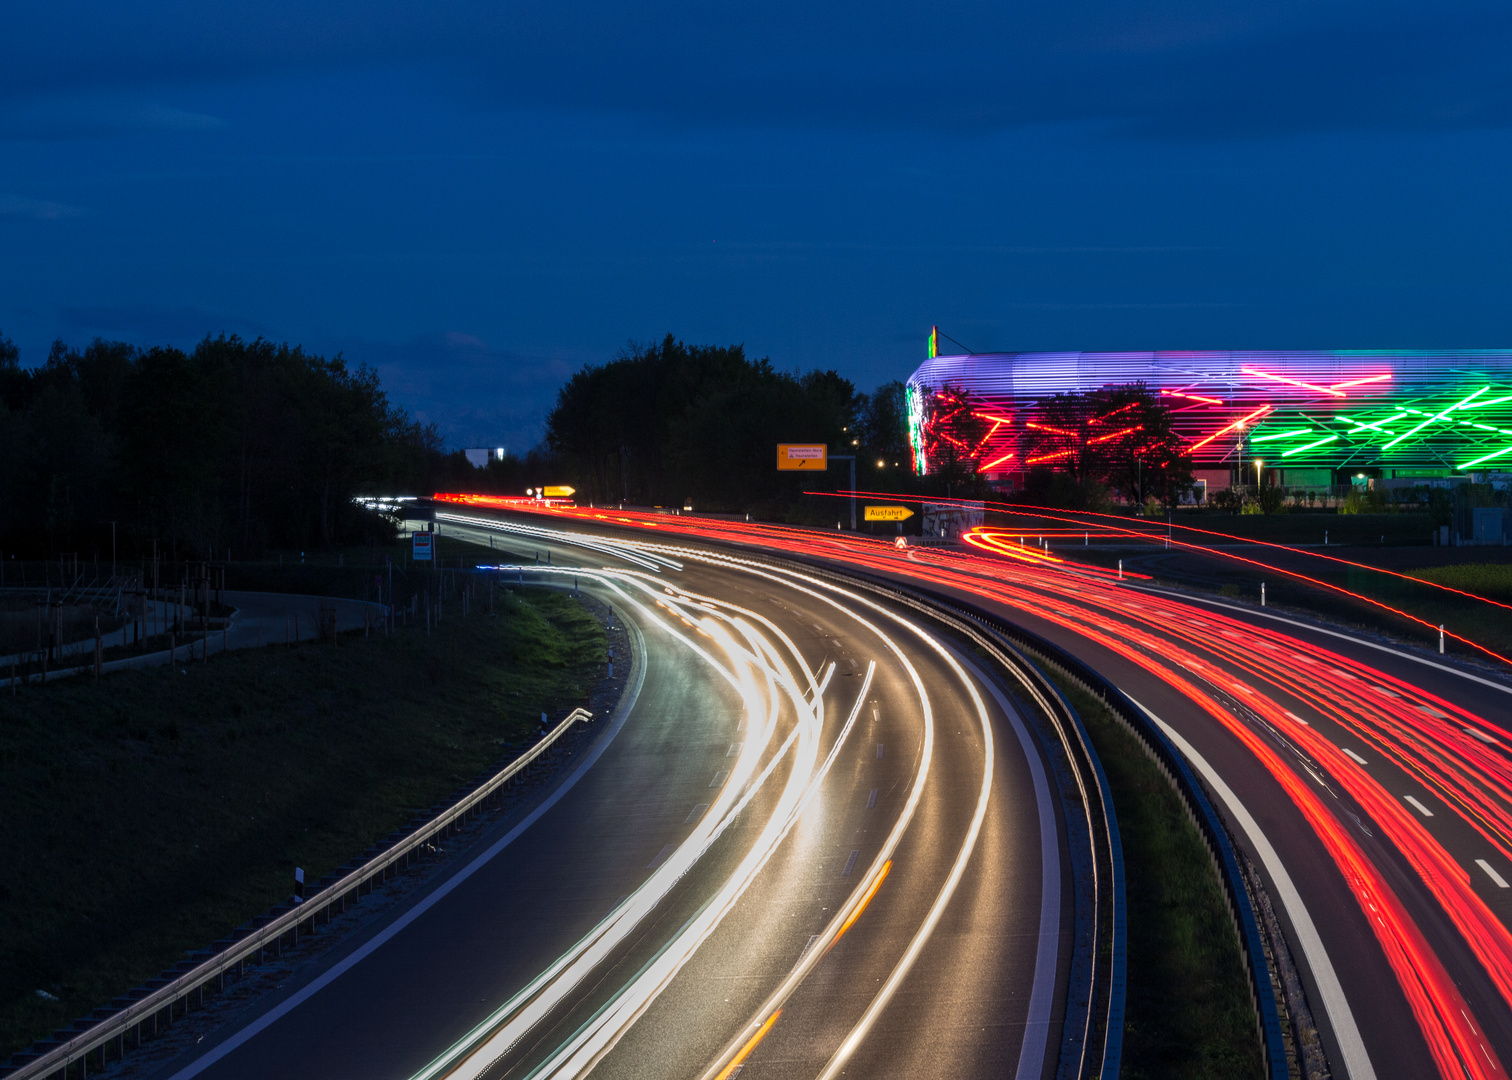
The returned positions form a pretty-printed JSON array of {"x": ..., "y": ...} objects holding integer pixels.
[{"x": 807, "y": 457}]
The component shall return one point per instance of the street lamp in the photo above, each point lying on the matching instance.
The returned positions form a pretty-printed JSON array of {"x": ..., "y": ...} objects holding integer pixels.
[{"x": 1258, "y": 463}]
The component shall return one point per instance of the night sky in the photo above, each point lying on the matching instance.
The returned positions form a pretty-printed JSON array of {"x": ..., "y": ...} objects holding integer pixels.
[{"x": 476, "y": 199}]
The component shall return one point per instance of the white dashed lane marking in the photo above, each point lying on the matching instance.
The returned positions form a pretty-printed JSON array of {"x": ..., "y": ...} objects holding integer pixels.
[
  {"x": 1352, "y": 754},
  {"x": 1501, "y": 882},
  {"x": 695, "y": 813},
  {"x": 1419, "y": 807}
]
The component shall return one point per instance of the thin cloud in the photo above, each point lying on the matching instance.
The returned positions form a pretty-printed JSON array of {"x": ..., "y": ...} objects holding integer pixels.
[
  {"x": 150, "y": 324},
  {"x": 49, "y": 119},
  {"x": 16, "y": 208},
  {"x": 1172, "y": 70}
]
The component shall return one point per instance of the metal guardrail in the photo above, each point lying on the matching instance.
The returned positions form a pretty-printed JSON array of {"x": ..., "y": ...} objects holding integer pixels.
[
  {"x": 1186, "y": 785},
  {"x": 1109, "y": 995},
  {"x": 112, "y": 1034},
  {"x": 1167, "y": 758},
  {"x": 1160, "y": 749},
  {"x": 1092, "y": 1031},
  {"x": 1202, "y": 813}
]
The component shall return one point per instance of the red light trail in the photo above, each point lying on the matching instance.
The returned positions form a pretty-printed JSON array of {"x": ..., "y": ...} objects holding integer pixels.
[
  {"x": 1053, "y": 514},
  {"x": 1417, "y": 732}
]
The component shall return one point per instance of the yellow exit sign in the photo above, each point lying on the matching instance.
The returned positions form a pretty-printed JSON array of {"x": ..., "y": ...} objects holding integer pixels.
[
  {"x": 558, "y": 492},
  {"x": 807, "y": 457},
  {"x": 888, "y": 513}
]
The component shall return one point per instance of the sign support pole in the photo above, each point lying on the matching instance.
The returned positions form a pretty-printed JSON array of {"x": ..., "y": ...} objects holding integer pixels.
[{"x": 852, "y": 459}]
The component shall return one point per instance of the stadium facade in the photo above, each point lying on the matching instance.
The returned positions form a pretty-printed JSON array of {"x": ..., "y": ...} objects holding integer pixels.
[{"x": 1313, "y": 418}]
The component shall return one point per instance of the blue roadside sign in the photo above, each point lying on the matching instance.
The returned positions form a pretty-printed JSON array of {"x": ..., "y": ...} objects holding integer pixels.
[{"x": 422, "y": 546}]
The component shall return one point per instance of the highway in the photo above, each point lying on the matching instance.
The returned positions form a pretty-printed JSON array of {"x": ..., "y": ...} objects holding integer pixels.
[
  {"x": 814, "y": 839},
  {"x": 1369, "y": 784}
]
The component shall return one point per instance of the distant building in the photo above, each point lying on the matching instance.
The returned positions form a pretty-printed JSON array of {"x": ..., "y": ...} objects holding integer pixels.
[
  {"x": 1315, "y": 418},
  {"x": 480, "y": 457}
]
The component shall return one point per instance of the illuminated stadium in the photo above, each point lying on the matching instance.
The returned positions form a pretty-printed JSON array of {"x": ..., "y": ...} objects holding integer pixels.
[{"x": 1316, "y": 417}]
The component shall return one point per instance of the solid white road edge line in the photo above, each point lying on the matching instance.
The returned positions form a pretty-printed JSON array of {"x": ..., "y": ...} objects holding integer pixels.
[
  {"x": 1356, "y": 1063},
  {"x": 272, "y": 1016},
  {"x": 1042, "y": 996}
]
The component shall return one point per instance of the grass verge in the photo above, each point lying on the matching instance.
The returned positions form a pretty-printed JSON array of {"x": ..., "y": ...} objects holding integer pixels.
[
  {"x": 1491, "y": 580},
  {"x": 1189, "y": 1011},
  {"x": 151, "y": 812}
]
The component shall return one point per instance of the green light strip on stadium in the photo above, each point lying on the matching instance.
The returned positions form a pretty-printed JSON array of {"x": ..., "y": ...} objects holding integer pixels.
[
  {"x": 1282, "y": 435},
  {"x": 1309, "y": 446},
  {"x": 1488, "y": 457},
  {"x": 1458, "y": 404},
  {"x": 1493, "y": 401},
  {"x": 1377, "y": 426}
]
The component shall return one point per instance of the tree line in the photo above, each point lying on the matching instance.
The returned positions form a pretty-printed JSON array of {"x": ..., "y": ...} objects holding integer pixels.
[
  {"x": 247, "y": 446},
  {"x": 255, "y": 447},
  {"x": 670, "y": 423}
]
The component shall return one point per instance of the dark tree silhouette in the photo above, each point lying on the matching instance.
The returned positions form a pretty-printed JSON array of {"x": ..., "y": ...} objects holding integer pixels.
[{"x": 1117, "y": 438}]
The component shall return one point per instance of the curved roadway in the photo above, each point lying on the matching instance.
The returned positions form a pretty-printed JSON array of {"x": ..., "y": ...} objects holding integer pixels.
[
  {"x": 813, "y": 839},
  {"x": 1371, "y": 785}
]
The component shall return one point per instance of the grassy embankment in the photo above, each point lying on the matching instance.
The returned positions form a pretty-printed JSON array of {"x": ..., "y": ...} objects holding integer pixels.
[
  {"x": 1491, "y": 580},
  {"x": 151, "y": 812},
  {"x": 1189, "y": 1013},
  {"x": 1310, "y": 526}
]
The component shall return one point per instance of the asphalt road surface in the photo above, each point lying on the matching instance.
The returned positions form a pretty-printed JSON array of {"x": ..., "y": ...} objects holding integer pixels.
[
  {"x": 1369, "y": 782},
  {"x": 813, "y": 841}
]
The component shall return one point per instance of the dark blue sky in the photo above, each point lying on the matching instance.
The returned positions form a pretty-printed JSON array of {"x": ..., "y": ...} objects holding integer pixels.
[{"x": 478, "y": 198}]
